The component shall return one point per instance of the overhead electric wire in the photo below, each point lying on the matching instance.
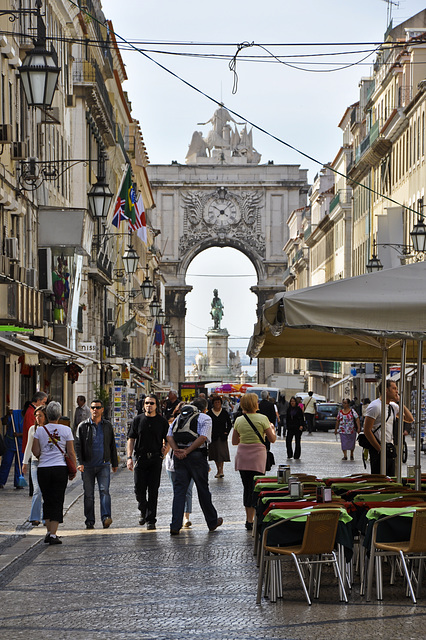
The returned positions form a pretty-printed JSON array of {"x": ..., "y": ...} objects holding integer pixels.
[{"x": 252, "y": 124}]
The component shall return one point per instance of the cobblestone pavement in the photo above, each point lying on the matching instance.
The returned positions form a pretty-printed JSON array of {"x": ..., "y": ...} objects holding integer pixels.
[{"x": 127, "y": 582}]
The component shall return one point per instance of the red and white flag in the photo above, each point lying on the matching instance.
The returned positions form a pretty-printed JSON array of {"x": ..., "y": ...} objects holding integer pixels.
[{"x": 140, "y": 224}]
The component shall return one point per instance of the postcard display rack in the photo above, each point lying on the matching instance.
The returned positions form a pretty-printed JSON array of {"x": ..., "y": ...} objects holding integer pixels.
[
  {"x": 422, "y": 414},
  {"x": 123, "y": 403}
]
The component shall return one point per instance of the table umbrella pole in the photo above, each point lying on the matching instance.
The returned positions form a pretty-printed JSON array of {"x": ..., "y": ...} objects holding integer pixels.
[
  {"x": 383, "y": 417},
  {"x": 419, "y": 414}
]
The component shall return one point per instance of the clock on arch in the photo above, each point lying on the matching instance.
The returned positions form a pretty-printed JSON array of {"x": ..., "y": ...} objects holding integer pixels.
[{"x": 222, "y": 210}]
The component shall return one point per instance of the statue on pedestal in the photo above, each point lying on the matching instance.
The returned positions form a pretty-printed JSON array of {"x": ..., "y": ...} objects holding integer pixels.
[{"x": 216, "y": 310}]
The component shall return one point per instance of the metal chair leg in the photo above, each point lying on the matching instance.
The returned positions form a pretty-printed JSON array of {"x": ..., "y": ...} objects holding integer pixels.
[
  {"x": 407, "y": 575},
  {"x": 261, "y": 574},
  {"x": 301, "y": 578}
]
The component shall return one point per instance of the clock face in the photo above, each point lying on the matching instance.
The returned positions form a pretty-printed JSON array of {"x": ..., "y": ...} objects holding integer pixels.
[{"x": 221, "y": 212}]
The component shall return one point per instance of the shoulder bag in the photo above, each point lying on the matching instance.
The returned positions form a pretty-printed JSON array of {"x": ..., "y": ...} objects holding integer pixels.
[
  {"x": 366, "y": 444},
  {"x": 72, "y": 469},
  {"x": 270, "y": 459}
]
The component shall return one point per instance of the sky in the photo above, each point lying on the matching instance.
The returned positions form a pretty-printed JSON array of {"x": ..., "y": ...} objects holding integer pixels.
[{"x": 300, "y": 102}]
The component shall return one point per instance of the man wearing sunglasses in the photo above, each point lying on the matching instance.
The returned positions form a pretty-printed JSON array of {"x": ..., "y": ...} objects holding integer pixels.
[
  {"x": 96, "y": 451},
  {"x": 147, "y": 440}
]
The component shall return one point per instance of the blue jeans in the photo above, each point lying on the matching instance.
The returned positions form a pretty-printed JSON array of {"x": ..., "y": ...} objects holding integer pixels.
[
  {"x": 188, "y": 497},
  {"x": 7, "y": 460},
  {"x": 102, "y": 475},
  {"x": 35, "y": 515},
  {"x": 194, "y": 466}
]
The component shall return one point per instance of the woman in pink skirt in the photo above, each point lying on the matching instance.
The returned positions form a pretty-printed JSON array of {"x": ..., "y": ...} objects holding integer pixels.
[{"x": 348, "y": 425}]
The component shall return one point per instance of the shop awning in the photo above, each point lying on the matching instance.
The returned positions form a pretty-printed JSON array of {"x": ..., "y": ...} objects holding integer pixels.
[
  {"x": 140, "y": 373},
  {"x": 342, "y": 381},
  {"x": 10, "y": 346},
  {"x": 43, "y": 350},
  {"x": 84, "y": 360}
]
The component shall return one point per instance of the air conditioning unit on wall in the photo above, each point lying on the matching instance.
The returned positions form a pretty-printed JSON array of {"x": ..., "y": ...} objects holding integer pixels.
[
  {"x": 19, "y": 150},
  {"x": 11, "y": 246},
  {"x": 5, "y": 133}
]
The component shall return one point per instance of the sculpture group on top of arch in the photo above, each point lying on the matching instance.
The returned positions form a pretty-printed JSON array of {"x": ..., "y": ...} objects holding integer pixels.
[{"x": 223, "y": 144}]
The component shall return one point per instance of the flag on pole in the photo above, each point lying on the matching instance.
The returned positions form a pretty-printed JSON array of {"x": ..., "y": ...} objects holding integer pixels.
[
  {"x": 159, "y": 337},
  {"x": 140, "y": 224},
  {"x": 118, "y": 216},
  {"x": 125, "y": 205}
]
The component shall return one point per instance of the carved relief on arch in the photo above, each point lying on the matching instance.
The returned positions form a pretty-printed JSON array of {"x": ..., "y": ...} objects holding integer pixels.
[{"x": 220, "y": 216}]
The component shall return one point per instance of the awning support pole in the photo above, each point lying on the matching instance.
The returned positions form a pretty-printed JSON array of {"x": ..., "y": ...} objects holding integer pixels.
[{"x": 401, "y": 410}]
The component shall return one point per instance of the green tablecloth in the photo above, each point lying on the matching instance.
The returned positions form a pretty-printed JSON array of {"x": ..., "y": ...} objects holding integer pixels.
[
  {"x": 375, "y": 514},
  {"x": 281, "y": 514}
]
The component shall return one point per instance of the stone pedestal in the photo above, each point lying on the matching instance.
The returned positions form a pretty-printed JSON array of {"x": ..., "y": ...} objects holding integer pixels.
[{"x": 217, "y": 354}]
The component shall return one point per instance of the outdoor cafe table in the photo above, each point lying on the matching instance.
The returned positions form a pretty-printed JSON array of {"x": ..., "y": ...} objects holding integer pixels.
[
  {"x": 291, "y": 533},
  {"x": 393, "y": 530}
]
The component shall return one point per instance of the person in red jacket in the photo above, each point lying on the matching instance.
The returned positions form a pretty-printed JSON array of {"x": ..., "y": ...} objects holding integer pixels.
[{"x": 38, "y": 399}]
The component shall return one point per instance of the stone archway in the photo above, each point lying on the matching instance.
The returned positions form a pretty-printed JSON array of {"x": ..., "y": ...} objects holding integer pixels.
[{"x": 227, "y": 199}]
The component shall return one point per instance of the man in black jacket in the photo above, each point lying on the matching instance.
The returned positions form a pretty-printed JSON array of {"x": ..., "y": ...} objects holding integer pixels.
[
  {"x": 147, "y": 439},
  {"x": 95, "y": 450}
]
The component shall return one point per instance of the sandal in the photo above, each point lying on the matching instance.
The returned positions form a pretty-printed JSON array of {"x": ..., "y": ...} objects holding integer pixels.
[{"x": 344, "y": 458}]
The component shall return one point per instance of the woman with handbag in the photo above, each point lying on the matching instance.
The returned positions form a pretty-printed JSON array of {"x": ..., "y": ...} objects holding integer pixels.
[
  {"x": 295, "y": 424},
  {"x": 51, "y": 442},
  {"x": 40, "y": 418},
  {"x": 347, "y": 422},
  {"x": 250, "y": 431}
]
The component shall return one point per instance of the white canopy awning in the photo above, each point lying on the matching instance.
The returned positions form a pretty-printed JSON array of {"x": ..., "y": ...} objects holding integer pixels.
[{"x": 342, "y": 381}]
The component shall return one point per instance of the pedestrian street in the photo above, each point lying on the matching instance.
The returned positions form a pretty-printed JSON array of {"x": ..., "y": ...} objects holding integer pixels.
[{"x": 127, "y": 582}]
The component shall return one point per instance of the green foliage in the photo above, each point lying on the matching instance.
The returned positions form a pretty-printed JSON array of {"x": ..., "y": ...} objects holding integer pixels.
[{"x": 101, "y": 394}]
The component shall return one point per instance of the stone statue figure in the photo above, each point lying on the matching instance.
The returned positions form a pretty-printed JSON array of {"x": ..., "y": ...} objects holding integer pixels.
[{"x": 217, "y": 310}]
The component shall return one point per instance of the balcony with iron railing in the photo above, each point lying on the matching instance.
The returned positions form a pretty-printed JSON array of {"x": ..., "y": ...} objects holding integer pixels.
[
  {"x": 87, "y": 72},
  {"x": 370, "y": 91},
  {"x": 342, "y": 198}
]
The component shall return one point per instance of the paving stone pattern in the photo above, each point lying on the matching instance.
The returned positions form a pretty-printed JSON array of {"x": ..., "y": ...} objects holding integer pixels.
[{"x": 127, "y": 582}]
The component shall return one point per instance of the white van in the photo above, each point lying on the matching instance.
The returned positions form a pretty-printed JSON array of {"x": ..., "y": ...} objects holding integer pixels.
[{"x": 257, "y": 389}]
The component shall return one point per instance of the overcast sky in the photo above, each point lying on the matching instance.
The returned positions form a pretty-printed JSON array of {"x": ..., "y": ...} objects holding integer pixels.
[{"x": 301, "y": 106}]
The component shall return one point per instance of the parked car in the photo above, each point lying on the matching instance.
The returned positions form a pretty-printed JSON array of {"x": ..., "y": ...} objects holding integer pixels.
[{"x": 326, "y": 415}]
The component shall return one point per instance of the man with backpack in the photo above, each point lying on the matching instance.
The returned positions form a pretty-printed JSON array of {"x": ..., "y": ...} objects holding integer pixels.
[
  {"x": 147, "y": 439},
  {"x": 188, "y": 437}
]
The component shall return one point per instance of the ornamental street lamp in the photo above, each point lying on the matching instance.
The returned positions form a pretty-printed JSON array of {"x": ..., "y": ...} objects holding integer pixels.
[
  {"x": 130, "y": 260},
  {"x": 418, "y": 236},
  {"x": 39, "y": 72},
  {"x": 155, "y": 307},
  {"x": 100, "y": 195}
]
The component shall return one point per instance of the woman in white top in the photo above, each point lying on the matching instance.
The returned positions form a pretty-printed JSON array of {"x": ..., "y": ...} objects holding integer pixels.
[
  {"x": 52, "y": 470},
  {"x": 40, "y": 420}
]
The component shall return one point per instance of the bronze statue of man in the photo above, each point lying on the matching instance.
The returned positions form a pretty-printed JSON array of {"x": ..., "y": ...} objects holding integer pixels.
[{"x": 216, "y": 310}]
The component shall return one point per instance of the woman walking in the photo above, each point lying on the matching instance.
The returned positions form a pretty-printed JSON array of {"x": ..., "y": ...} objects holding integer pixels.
[
  {"x": 295, "y": 423},
  {"x": 221, "y": 427},
  {"x": 348, "y": 425},
  {"x": 50, "y": 443},
  {"x": 40, "y": 418},
  {"x": 250, "y": 431}
]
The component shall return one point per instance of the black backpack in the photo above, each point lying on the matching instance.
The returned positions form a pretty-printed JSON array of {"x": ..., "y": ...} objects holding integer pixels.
[{"x": 185, "y": 426}]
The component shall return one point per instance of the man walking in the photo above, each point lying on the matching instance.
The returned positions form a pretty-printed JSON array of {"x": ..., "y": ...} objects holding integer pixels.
[
  {"x": 373, "y": 429},
  {"x": 171, "y": 404},
  {"x": 96, "y": 450},
  {"x": 310, "y": 409},
  {"x": 81, "y": 414},
  {"x": 191, "y": 462},
  {"x": 147, "y": 439}
]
